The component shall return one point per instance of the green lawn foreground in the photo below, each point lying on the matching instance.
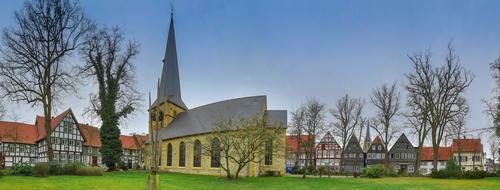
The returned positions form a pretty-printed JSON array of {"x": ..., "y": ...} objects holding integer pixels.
[{"x": 174, "y": 181}]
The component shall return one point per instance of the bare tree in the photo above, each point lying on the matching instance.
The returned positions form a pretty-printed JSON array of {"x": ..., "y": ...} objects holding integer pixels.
[
  {"x": 442, "y": 89},
  {"x": 117, "y": 96},
  {"x": 457, "y": 129},
  {"x": 242, "y": 141},
  {"x": 33, "y": 68},
  {"x": 314, "y": 126},
  {"x": 495, "y": 69},
  {"x": 348, "y": 114},
  {"x": 296, "y": 129},
  {"x": 417, "y": 120},
  {"x": 494, "y": 144},
  {"x": 2, "y": 110}
]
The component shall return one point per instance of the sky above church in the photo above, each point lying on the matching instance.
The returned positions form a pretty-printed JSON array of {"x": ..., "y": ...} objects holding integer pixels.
[{"x": 291, "y": 51}]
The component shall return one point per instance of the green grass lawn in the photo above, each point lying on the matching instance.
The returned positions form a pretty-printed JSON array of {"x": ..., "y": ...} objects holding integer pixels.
[{"x": 173, "y": 181}]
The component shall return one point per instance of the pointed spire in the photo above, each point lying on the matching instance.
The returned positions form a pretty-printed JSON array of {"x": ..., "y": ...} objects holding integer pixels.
[
  {"x": 169, "y": 84},
  {"x": 367, "y": 136}
]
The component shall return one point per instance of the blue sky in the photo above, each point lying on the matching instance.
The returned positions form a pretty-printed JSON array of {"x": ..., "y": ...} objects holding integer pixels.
[{"x": 293, "y": 50}]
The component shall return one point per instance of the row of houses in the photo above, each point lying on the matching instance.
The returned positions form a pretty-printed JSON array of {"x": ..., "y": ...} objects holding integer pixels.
[
  {"x": 402, "y": 155},
  {"x": 72, "y": 142}
]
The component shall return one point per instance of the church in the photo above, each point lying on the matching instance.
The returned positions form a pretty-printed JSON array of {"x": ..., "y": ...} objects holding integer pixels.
[{"x": 185, "y": 129}]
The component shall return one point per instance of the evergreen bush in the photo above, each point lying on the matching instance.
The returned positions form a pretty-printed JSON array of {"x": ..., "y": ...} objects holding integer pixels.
[
  {"x": 55, "y": 168},
  {"x": 41, "y": 169},
  {"x": 23, "y": 169}
]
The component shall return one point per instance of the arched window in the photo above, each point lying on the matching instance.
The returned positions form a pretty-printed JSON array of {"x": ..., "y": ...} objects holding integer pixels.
[
  {"x": 182, "y": 155},
  {"x": 169, "y": 154},
  {"x": 215, "y": 158},
  {"x": 268, "y": 160},
  {"x": 197, "y": 154}
]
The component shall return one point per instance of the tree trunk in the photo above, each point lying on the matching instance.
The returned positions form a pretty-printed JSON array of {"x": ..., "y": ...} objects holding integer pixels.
[
  {"x": 48, "y": 128},
  {"x": 419, "y": 159}
]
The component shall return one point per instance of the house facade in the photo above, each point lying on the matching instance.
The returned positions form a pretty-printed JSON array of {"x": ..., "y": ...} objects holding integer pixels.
[
  {"x": 71, "y": 142},
  {"x": 328, "y": 153},
  {"x": 353, "y": 156},
  {"x": 295, "y": 155},
  {"x": 444, "y": 154},
  {"x": 376, "y": 153},
  {"x": 468, "y": 153},
  {"x": 403, "y": 156}
]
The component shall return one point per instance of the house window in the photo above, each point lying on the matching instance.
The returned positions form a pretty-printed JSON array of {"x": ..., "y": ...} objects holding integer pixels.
[
  {"x": 269, "y": 153},
  {"x": 169, "y": 154},
  {"x": 215, "y": 158},
  {"x": 197, "y": 154},
  {"x": 182, "y": 152}
]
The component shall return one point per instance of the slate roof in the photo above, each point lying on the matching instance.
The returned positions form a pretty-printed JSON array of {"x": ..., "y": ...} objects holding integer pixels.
[
  {"x": 200, "y": 120},
  {"x": 444, "y": 153},
  {"x": 170, "y": 83}
]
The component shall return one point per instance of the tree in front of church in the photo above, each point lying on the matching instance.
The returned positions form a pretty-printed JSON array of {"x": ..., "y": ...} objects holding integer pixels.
[
  {"x": 234, "y": 143},
  {"x": 110, "y": 62},
  {"x": 34, "y": 66}
]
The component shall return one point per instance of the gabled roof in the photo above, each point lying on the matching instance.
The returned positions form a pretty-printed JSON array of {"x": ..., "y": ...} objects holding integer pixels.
[
  {"x": 444, "y": 153},
  {"x": 377, "y": 140},
  {"x": 467, "y": 145},
  {"x": 201, "y": 119},
  {"x": 91, "y": 134},
  {"x": 14, "y": 132},
  {"x": 354, "y": 144},
  {"x": 134, "y": 142},
  {"x": 40, "y": 123},
  {"x": 291, "y": 142}
]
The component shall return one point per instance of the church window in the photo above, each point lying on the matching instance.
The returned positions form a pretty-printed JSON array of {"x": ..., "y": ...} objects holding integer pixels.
[
  {"x": 197, "y": 154},
  {"x": 182, "y": 156},
  {"x": 215, "y": 158},
  {"x": 169, "y": 154},
  {"x": 269, "y": 153}
]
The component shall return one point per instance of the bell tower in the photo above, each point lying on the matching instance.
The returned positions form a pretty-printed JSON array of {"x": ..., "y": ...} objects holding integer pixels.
[{"x": 169, "y": 99}]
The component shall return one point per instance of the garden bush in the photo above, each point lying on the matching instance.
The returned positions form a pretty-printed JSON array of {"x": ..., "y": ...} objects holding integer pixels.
[
  {"x": 23, "y": 169},
  {"x": 122, "y": 166},
  {"x": 70, "y": 168},
  {"x": 375, "y": 171},
  {"x": 1, "y": 173},
  {"x": 89, "y": 171},
  {"x": 55, "y": 168},
  {"x": 475, "y": 174},
  {"x": 41, "y": 169}
]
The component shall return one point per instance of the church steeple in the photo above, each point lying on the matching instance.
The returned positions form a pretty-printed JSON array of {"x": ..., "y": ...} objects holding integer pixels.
[
  {"x": 368, "y": 140},
  {"x": 169, "y": 84}
]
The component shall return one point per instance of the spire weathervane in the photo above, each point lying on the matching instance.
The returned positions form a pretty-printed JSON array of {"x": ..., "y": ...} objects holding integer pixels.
[{"x": 171, "y": 9}]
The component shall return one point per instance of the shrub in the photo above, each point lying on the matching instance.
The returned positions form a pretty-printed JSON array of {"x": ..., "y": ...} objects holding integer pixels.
[
  {"x": 122, "y": 166},
  {"x": 1, "y": 173},
  {"x": 438, "y": 173},
  {"x": 89, "y": 171},
  {"x": 475, "y": 174},
  {"x": 55, "y": 168},
  {"x": 70, "y": 168},
  {"x": 23, "y": 169},
  {"x": 41, "y": 169},
  {"x": 375, "y": 171},
  {"x": 390, "y": 172},
  {"x": 271, "y": 174}
]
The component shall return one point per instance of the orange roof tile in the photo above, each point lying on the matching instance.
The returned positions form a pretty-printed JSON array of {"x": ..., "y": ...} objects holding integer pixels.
[
  {"x": 17, "y": 132},
  {"x": 291, "y": 142},
  {"x": 40, "y": 124},
  {"x": 444, "y": 153},
  {"x": 91, "y": 134},
  {"x": 467, "y": 145}
]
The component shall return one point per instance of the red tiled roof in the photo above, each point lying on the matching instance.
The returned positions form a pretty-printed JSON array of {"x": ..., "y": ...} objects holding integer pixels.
[
  {"x": 134, "y": 142},
  {"x": 444, "y": 153},
  {"x": 40, "y": 124},
  {"x": 17, "y": 132},
  {"x": 377, "y": 140},
  {"x": 91, "y": 135},
  {"x": 467, "y": 145},
  {"x": 291, "y": 142}
]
